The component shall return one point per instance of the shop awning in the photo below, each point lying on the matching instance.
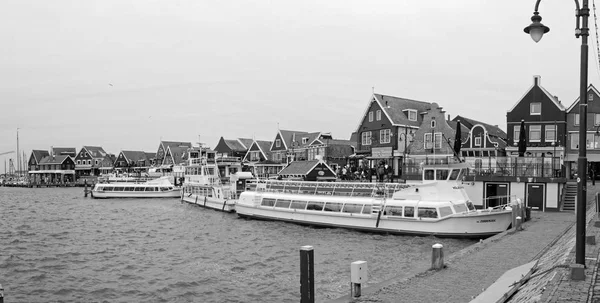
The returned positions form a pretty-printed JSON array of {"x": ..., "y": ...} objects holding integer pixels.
[{"x": 590, "y": 157}]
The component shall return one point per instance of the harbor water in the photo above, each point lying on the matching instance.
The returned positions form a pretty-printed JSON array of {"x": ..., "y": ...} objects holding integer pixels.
[{"x": 58, "y": 246}]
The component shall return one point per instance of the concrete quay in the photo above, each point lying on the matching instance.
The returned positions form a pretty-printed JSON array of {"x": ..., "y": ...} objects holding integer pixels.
[{"x": 548, "y": 237}]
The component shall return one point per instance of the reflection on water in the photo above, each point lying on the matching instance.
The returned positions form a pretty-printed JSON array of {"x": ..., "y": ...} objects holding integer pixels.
[{"x": 59, "y": 246}]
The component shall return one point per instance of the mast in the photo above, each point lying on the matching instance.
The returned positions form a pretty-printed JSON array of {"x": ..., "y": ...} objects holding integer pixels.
[{"x": 18, "y": 159}]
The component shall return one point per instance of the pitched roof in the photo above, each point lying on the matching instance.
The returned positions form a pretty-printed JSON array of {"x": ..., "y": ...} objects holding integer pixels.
[
  {"x": 134, "y": 155},
  {"x": 395, "y": 109},
  {"x": 246, "y": 142},
  {"x": 175, "y": 144},
  {"x": 493, "y": 130},
  {"x": 58, "y": 159},
  {"x": 235, "y": 145},
  {"x": 592, "y": 87},
  {"x": 265, "y": 148},
  {"x": 179, "y": 153},
  {"x": 39, "y": 154},
  {"x": 150, "y": 155},
  {"x": 299, "y": 167},
  {"x": 537, "y": 81},
  {"x": 64, "y": 151},
  {"x": 95, "y": 151},
  {"x": 288, "y": 136}
]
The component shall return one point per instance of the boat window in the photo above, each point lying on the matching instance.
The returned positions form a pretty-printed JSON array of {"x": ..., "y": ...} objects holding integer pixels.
[
  {"x": 445, "y": 211},
  {"x": 333, "y": 206},
  {"x": 409, "y": 211},
  {"x": 460, "y": 208},
  {"x": 454, "y": 174},
  {"x": 283, "y": 203},
  {"x": 128, "y": 188},
  {"x": 298, "y": 205},
  {"x": 460, "y": 174},
  {"x": 428, "y": 174},
  {"x": 393, "y": 211},
  {"x": 352, "y": 208},
  {"x": 470, "y": 205},
  {"x": 108, "y": 188},
  {"x": 427, "y": 212},
  {"x": 164, "y": 188},
  {"x": 139, "y": 189},
  {"x": 441, "y": 174},
  {"x": 367, "y": 210},
  {"x": 267, "y": 202},
  {"x": 314, "y": 206}
]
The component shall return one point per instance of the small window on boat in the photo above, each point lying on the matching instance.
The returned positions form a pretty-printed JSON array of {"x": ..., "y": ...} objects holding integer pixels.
[
  {"x": 298, "y": 205},
  {"x": 445, "y": 211},
  {"x": 283, "y": 203},
  {"x": 441, "y": 174},
  {"x": 454, "y": 174},
  {"x": 267, "y": 202},
  {"x": 139, "y": 189},
  {"x": 366, "y": 210},
  {"x": 352, "y": 208},
  {"x": 427, "y": 212},
  {"x": 314, "y": 206},
  {"x": 333, "y": 206},
  {"x": 470, "y": 205},
  {"x": 128, "y": 188},
  {"x": 108, "y": 188},
  {"x": 409, "y": 211},
  {"x": 460, "y": 208},
  {"x": 429, "y": 174},
  {"x": 393, "y": 211}
]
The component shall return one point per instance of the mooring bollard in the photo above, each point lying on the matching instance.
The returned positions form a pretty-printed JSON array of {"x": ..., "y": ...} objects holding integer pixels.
[
  {"x": 85, "y": 190},
  {"x": 519, "y": 222},
  {"x": 1, "y": 294},
  {"x": 307, "y": 274},
  {"x": 358, "y": 275},
  {"x": 437, "y": 256}
]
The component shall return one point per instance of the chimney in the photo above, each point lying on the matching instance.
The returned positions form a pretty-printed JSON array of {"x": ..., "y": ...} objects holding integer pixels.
[
  {"x": 448, "y": 117},
  {"x": 537, "y": 80}
]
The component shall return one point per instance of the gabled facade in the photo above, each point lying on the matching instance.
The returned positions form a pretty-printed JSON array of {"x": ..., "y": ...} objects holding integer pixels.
[
  {"x": 312, "y": 170},
  {"x": 386, "y": 129},
  {"x": 592, "y": 137},
  {"x": 482, "y": 143},
  {"x": 87, "y": 161},
  {"x": 130, "y": 161},
  {"x": 258, "y": 159},
  {"x": 287, "y": 145},
  {"x": 176, "y": 155},
  {"x": 55, "y": 169},
  {"x": 162, "y": 149},
  {"x": 433, "y": 141},
  {"x": 35, "y": 158},
  {"x": 232, "y": 147},
  {"x": 545, "y": 123}
]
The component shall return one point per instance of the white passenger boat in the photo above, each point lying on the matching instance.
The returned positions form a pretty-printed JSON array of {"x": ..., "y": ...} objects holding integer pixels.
[
  {"x": 157, "y": 188},
  {"x": 439, "y": 206},
  {"x": 203, "y": 186}
]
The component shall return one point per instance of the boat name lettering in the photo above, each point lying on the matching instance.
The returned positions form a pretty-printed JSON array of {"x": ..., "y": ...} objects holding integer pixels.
[
  {"x": 458, "y": 187},
  {"x": 486, "y": 221}
]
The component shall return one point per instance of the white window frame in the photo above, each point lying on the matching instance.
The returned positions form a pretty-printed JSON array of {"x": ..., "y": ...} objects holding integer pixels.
[
  {"x": 533, "y": 128},
  {"x": 432, "y": 123},
  {"x": 532, "y": 106},
  {"x": 78, "y": 162},
  {"x": 278, "y": 143},
  {"x": 516, "y": 132},
  {"x": 590, "y": 97},
  {"x": 427, "y": 141},
  {"x": 304, "y": 140},
  {"x": 96, "y": 161},
  {"x": 596, "y": 119},
  {"x": 576, "y": 121},
  {"x": 412, "y": 112},
  {"x": 385, "y": 135},
  {"x": 378, "y": 115},
  {"x": 366, "y": 138},
  {"x": 370, "y": 116},
  {"x": 547, "y": 129},
  {"x": 574, "y": 138},
  {"x": 478, "y": 141}
]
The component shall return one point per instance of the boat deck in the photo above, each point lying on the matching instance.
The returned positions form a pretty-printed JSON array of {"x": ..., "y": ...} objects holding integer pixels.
[{"x": 350, "y": 189}]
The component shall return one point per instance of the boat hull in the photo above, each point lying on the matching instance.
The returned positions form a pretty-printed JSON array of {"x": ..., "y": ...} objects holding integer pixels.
[
  {"x": 210, "y": 202},
  {"x": 473, "y": 225},
  {"x": 122, "y": 194}
]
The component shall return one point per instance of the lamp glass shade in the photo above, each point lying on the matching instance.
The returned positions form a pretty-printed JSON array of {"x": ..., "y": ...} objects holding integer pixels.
[{"x": 536, "y": 33}]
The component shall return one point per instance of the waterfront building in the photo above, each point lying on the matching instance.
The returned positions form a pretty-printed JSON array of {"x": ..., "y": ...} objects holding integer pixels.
[
  {"x": 482, "y": 144},
  {"x": 232, "y": 147},
  {"x": 34, "y": 164},
  {"x": 310, "y": 170},
  {"x": 162, "y": 149},
  {"x": 259, "y": 160},
  {"x": 88, "y": 160},
  {"x": 386, "y": 129},
  {"x": 175, "y": 155},
  {"x": 55, "y": 169},
  {"x": 129, "y": 161},
  {"x": 592, "y": 137}
]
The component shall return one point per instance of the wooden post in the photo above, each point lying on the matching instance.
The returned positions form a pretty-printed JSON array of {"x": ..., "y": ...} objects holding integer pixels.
[
  {"x": 437, "y": 256},
  {"x": 85, "y": 188},
  {"x": 1, "y": 294},
  {"x": 519, "y": 222},
  {"x": 307, "y": 274}
]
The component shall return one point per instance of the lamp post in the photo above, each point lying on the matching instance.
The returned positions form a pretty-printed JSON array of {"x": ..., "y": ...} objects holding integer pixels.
[{"x": 537, "y": 30}]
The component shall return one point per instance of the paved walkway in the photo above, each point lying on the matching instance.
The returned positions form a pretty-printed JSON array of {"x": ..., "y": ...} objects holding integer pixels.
[{"x": 548, "y": 237}]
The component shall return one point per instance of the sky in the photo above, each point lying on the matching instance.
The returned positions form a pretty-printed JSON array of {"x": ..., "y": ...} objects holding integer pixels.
[{"x": 126, "y": 74}]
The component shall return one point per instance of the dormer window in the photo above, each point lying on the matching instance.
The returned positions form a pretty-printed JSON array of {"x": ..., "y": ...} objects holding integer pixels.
[
  {"x": 535, "y": 108},
  {"x": 412, "y": 115},
  {"x": 370, "y": 116},
  {"x": 591, "y": 97},
  {"x": 378, "y": 117},
  {"x": 477, "y": 141},
  {"x": 304, "y": 140},
  {"x": 278, "y": 143}
]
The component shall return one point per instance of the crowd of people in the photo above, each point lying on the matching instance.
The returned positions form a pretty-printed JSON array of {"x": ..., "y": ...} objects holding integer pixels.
[{"x": 363, "y": 173}]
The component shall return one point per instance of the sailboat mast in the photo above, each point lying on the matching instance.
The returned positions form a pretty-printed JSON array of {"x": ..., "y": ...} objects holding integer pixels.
[{"x": 18, "y": 157}]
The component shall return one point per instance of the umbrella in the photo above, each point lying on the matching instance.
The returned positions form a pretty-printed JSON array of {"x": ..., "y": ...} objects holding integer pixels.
[
  {"x": 458, "y": 139},
  {"x": 522, "y": 140}
]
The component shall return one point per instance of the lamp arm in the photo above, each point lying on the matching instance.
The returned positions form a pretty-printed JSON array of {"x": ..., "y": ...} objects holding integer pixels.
[{"x": 577, "y": 13}]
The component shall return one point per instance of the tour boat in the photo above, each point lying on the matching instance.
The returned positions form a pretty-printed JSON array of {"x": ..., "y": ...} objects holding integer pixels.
[
  {"x": 203, "y": 185},
  {"x": 157, "y": 188},
  {"x": 438, "y": 206}
]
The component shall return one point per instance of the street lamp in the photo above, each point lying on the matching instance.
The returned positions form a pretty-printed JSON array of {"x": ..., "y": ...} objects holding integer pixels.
[{"x": 537, "y": 30}]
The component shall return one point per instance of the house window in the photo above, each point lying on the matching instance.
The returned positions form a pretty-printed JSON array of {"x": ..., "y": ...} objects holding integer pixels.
[
  {"x": 254, "y": 156},
  {"x": 477, "y": 141},
  {"x": 78, "y": 162},
  {"x": 96, "y": 161},
  {"x": 576, "y": 121},
  {"x": 366, "y": 138},
  {"x": 596, "y": 119},
  {"x": 370, "y": 116},
  {"x": 589, "y": 141},
  {"x": 304, "y": 140},
  {"x": 535, "y": 133},
  {"x": 412, "y": 115},
  {"x": 574, "y": 138},
  {"x": 438, "y": 140},
  {"x": 385, "y": 136},
  {"x": 535, "y": 108},
  {"x": 432, "y": 123},
  {"x": 278, "y": 143},
  {"x": 591, "y": 97},
  {"x": 550, "y": 133},
  {"x": 378, "y": 116},
  {"x": 516, "y": 133}
]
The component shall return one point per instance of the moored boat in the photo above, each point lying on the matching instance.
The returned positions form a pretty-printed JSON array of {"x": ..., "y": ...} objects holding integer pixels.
[
  {"x": 439, "y": 206},
  {"x": 157, "y": 188}
]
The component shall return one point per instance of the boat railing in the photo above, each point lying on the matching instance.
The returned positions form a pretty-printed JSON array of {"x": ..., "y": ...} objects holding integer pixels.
[
  {"x": 505, "y": 201},
  {"x": 350, "y": 189}
]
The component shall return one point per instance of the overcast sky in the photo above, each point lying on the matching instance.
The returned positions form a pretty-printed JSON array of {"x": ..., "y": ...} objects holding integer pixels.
[{"x": 126, "y": 74}]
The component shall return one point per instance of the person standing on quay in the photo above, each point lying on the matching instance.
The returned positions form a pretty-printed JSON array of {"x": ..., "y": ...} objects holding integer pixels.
[{"x": 380, "y": 172}]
